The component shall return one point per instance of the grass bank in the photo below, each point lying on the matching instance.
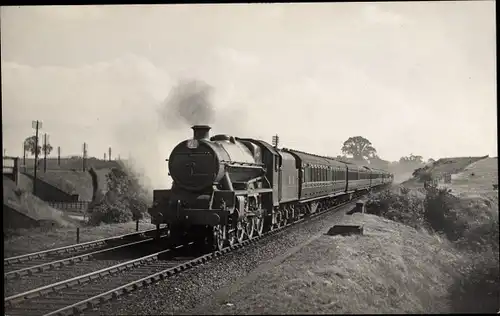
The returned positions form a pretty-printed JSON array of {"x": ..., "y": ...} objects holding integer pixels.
[{"x": 469, "y": 223}]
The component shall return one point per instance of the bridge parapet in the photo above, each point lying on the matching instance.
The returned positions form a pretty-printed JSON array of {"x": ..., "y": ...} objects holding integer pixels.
[{"x": 11, "y": 168}]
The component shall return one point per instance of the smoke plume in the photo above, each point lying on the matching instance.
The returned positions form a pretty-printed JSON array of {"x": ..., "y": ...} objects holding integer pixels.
[{"x": 189, "y": 102}]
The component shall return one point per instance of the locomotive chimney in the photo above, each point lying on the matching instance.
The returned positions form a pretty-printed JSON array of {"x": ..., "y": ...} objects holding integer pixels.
[{"x": 201, "y": 131}]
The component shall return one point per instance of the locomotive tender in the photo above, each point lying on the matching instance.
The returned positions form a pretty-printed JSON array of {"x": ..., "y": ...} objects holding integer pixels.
[{"x": 226, "y": 189}]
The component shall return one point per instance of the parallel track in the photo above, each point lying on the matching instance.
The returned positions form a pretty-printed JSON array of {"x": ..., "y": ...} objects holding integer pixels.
[
  {"x": 73, "y": 296},
  {"x": 45, "y": 256}
]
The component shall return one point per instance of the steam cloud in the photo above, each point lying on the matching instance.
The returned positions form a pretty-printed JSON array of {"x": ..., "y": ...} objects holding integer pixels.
[{"x": 189, "y": 102}]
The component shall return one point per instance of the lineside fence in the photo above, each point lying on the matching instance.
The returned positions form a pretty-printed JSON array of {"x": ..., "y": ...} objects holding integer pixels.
[{"x": 73, "y": 207}]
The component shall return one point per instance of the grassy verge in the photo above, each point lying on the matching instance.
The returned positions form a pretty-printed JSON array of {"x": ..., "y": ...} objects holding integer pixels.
[
  {"x": 470, "y": 224},
  {"x": 38, "y": 239},
  {"x": 390, "y": 269}
]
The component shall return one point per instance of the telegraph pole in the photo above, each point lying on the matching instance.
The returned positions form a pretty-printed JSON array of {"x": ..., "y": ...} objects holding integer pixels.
[
  {"x": 24, "y": 155},
  {"x": 36, "y": 125},
  {"x": 59, "y": 155},
  {"x": 45, "y": 152},
  {"x": 84, "y": 154}
]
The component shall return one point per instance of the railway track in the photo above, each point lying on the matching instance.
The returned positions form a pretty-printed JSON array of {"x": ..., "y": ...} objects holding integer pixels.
[
  {"x": 46, "y": 256},
  {"x": 75, "y": 295}
]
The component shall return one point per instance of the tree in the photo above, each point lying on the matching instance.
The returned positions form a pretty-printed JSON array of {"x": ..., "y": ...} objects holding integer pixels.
[
  {"x": 46, "y": 149},
  {"x": 359, "y": 147},
  {"x": 412, "y": 159},
  {"x": 30, "y": 144}
]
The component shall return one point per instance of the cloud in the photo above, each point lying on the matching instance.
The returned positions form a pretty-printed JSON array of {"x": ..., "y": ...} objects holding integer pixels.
[
  {"x": 374, "y": 14},
  {"x": 236, "y": 57},
  {"x": 68, "y": 12}
]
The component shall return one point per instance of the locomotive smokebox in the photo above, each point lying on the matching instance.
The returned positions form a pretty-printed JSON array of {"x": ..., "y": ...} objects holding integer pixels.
[{"x": 201, "y": 131}]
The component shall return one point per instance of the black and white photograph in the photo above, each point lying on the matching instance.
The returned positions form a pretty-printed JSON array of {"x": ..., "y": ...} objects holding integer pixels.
[{"x": 250, "y": 158}]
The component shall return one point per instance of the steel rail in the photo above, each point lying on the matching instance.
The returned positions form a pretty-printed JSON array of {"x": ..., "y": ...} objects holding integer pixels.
[
  {"x": 62, "y": 262},
  {"x": 66, "y": 249},
  {"x": 11, "y": 300}
]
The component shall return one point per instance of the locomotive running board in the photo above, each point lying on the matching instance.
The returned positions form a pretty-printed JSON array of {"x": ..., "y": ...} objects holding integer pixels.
[{"x": 256, "y": 191}]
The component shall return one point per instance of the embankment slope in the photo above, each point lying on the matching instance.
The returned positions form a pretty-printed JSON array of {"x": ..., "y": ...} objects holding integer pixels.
[{"x": 392, "y": 268}]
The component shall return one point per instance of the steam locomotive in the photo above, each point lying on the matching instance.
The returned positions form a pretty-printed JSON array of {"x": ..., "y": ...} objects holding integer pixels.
[{"x": 226, "y": 189}]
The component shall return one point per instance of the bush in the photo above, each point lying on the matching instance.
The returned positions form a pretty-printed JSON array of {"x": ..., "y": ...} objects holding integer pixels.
[
  {"x": 477, "y": 289},
  {"x": 473, "y": 229},
  {"x": 441, "y": 213},
  {"x": 110, "y": 213},
  {"x": 125, "y": 200},
  {"x": 403, "y": 207}
]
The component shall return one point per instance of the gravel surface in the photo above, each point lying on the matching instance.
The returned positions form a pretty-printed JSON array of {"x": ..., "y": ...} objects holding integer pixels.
[{"x": 183, "y": 293}]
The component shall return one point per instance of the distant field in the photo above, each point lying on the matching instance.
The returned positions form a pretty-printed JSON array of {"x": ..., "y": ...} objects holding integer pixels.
[
  {"x": 445, "y": 166},
  {"x": 478, "y": 177},
  {"x": 73, "y": 163},
  {"x": 71, "y": 182}
]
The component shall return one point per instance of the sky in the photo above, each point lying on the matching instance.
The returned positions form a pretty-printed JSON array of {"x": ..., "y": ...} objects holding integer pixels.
[{"x": 411, "y": 77}]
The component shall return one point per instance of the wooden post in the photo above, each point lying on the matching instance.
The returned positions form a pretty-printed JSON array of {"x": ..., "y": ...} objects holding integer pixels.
[
  {"x": 137, "y": 225},
  {"x": 45, "y": 152},
  {"x": 84, "y": 156},
  {"x": 59, "y": 155},
  {"x": 37, "y": 126},
  {"x": 78, "y": 235},
  {"x": 24, "y": 155}
]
